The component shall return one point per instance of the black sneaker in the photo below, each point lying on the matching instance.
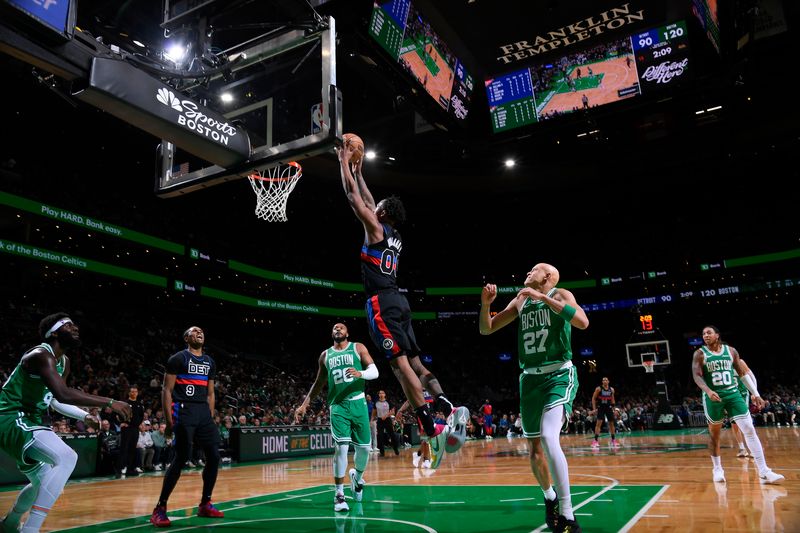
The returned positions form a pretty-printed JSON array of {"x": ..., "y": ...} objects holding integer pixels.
[
  {"x": 567, "y": 526},
  {"x": 551, "y": 513}
]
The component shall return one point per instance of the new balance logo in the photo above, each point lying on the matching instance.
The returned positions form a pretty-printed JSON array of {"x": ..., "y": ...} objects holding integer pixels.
[{"x": 665, "y": 419}]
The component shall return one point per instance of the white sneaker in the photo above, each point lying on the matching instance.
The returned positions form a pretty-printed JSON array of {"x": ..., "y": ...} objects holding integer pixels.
[
  {"x": 459, "y": 433},
  {"x": 139, "y": 470},
  {"x": 339, "y": 504},
  {"x": 770, "y": 478},
  {"x": 157, "y": 468},
  {"x": 719, "y": 475},
  {"x": 426, "y": 464},
  {"x": 488, "y": 437},
  {"x": 124, "y": 470},
  {"x": 415, "y": 459},
  {"x": 355, "y": 486}
]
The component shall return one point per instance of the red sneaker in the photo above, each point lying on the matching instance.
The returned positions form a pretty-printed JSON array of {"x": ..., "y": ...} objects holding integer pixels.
[
  {"x": 207, "y": 510},
  {"x": 159, "y": 517}
]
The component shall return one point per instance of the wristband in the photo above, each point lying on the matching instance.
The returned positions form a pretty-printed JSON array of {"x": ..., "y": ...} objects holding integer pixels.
[
  {"x": 110, "y": 402},
  {"x": 567, "y": 313}
]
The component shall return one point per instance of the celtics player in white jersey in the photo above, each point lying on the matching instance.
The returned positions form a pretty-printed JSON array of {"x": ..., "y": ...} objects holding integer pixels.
[
  {"x": 713, "y": 368},
  {"x": 39, "y": 382},
  {"x": 548, "y": 382},
  {"x": 343, "y": 366}
]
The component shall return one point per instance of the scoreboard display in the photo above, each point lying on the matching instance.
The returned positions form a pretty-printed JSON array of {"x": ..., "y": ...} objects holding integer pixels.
[
  {"x": 407, "y": 36},
  {"x": 662, "y": 56},
  {"x": 511, "y": 101},
  {"x": 643, "y": 63}
]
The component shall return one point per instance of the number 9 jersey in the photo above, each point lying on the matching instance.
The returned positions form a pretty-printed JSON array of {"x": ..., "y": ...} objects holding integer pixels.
[{"x": 192, "y": 375}]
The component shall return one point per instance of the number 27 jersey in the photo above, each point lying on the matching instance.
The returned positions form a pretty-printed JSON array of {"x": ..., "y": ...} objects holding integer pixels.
[{"x": 192, "y": 375}]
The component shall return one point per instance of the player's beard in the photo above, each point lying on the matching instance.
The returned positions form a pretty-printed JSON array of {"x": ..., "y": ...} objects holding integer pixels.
[
  {"x": 66, "y": 340},
  {"x": 339, "y": 338}
]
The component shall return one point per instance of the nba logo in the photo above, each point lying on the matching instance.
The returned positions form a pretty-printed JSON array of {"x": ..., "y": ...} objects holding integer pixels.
[{"x": 316, "y": 118}]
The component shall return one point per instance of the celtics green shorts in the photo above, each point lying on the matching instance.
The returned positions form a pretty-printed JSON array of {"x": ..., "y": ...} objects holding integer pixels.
[
  {"x": 539, "y": 393},
  {"x": 732, "y": 402},
  {"x": 16, "y": 435},
  {"x": 350, "y": 422}
]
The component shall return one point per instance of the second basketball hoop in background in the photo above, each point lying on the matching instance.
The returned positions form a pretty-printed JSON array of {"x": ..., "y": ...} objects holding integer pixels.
[
  {"x": 355, "y": 140},
  {"x": 273, "y": 187}
]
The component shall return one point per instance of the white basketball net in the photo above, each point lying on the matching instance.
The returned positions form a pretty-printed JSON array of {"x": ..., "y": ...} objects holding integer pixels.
[
  {"x": 273, "y": 187},
  {"x": 649, "y": 366}
]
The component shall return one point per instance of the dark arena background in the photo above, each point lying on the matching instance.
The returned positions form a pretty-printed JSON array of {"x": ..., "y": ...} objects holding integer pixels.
[{"x": 648, "y": 150}]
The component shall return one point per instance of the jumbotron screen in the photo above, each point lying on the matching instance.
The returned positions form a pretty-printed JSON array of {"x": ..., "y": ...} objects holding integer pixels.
[
  {"x": 408, "y": 37},
  {"x": 643, "y": 63}
]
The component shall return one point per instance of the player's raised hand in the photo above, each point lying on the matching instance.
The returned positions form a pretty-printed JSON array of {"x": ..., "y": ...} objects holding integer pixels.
[
  {"x": 533, "y": 294},
  {"x": 489, "y": 293},
  {"x": 300, "y": 412}
]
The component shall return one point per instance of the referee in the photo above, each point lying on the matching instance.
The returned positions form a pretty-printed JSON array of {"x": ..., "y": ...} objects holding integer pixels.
[{"x": 188, "y": 400}]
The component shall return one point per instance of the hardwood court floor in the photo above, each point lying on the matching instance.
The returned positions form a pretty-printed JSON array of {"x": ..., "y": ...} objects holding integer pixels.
[{"x": 655, "y": 482}]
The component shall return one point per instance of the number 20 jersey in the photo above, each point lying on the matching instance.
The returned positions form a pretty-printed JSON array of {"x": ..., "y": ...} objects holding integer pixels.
[{"x": 192, "y": 375}]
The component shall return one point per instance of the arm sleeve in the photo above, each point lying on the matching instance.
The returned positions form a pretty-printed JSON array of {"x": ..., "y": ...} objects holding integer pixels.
[
  {"x": 68, "y": 410},
  {"x": 371, "y": 372},
  {"x": 750, "y": 383}
]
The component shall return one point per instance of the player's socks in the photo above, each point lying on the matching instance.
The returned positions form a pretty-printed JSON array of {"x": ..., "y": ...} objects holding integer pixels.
[{"x": 425, "y": 418}]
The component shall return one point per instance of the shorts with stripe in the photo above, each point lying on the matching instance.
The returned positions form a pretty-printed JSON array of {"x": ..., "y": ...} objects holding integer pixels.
[
  {"x": 16, "y": 436},
  {"x": 350, "y": 422},
  {"x": 540, "y": 392},
  {"x": 732, "y": 402},
  {"x": 389, "y": 317}
]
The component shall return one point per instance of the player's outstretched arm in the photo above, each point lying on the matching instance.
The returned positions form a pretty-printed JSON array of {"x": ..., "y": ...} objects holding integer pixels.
[
  {"x": 366, "y": 215},
  {"x": 316, "y": 387},
  {"x": 44, "y": 365},
  {"x": 369, "y": 201},
  {"x": 488, "y": 324}
]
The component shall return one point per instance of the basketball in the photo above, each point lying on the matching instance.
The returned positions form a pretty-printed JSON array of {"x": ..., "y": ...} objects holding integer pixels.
[{"x": 352, "y": 138}]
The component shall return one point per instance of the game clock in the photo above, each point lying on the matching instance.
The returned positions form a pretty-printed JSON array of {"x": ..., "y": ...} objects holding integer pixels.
[{"x": 662, "y": 56}]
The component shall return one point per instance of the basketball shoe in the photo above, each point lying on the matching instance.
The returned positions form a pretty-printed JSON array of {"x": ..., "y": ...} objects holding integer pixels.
[
  {"x": 159, "y": 517},
  {"x": 437, "y": 443},
  {"x": 459, "y": 430},
  {"x": 551, "y": 512},
  {"x": 770, "y": 478},
  {"x": 718, "y": 475},
  {"x": 567, "y": 526},
  {"x": 339, "y": 504},
  {"x": 356, "y": 486},
  {"x": 207, "y": 510}
]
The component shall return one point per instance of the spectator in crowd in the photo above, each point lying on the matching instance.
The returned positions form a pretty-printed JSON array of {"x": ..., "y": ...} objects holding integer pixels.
[
  {"x": 108, "y": 450},
  {"x": 144, "y": 447},
  {"x": 162, "y": 447}
]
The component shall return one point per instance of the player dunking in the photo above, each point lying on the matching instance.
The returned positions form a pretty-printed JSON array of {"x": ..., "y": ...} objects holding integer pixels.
[
  {"x": 342, "y": 366},
  {"x": 388, "y": 312},
  {"x": 188, "y": 401},
  {"x": 712, "y": 369},
  {"x": 548, "y": 382},
  {"x": 604, "y": 411},
  {"x": 39, "y": 382}
]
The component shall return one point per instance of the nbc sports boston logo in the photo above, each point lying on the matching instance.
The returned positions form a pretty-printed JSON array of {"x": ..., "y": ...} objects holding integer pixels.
[{"x": 190, "y": 117}]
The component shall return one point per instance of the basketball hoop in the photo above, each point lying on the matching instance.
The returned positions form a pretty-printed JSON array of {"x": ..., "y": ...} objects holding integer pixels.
[
  {"x": 273, "y": 187},
  {"x": 649, "y": 366}
]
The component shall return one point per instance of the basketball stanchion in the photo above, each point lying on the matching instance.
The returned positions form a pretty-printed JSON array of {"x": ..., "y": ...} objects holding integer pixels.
[{"x": 273, "y": 187}]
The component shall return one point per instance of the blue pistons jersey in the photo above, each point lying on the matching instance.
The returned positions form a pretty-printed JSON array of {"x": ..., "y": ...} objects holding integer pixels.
[{"x": 192, "y": 375}]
